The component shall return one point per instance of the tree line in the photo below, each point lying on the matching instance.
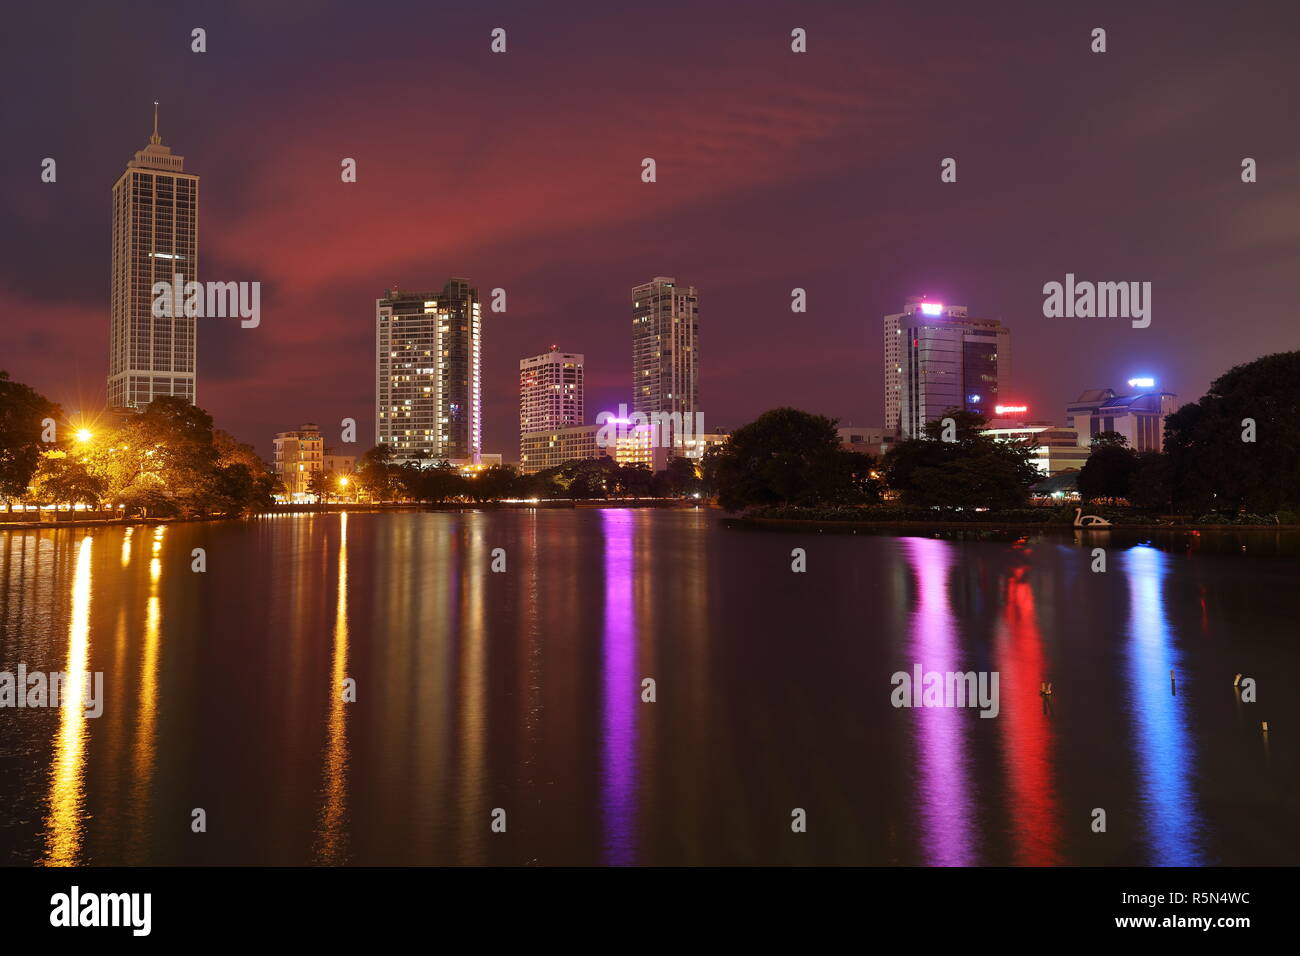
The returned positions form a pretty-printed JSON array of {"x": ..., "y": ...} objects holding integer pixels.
[
  {"x": 168, "y": 460},
  {"x": 378, "y": 477},
  {"x": 1235, "y": 451}
]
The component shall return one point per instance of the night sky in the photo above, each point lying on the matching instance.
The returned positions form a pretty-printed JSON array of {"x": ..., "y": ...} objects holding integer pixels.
[{"x": 775, "y": 170}]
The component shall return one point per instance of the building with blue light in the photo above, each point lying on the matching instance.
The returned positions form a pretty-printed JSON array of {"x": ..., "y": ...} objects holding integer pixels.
[{"x": 1138, "y": 416}]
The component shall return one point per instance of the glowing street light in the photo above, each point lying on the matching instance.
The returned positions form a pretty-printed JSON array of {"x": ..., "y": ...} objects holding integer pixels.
[{"x": 84, "y": 434}]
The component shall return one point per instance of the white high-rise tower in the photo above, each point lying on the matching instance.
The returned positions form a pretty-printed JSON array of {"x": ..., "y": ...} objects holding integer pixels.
[{"x": 155, "y": 237}]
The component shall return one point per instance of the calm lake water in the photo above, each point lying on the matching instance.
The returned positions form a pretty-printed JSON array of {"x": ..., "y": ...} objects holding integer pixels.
[{"x": 521, "y": 690}]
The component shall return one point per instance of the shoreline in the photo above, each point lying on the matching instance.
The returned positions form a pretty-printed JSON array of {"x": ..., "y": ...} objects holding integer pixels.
[
  {"x": 739, "y": 520},
  {"x": 813, "y": 524},
  {"x": 335, "y": 508}
]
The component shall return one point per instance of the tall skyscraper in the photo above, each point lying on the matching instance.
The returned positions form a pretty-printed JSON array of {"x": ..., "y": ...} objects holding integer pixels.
[
  {"x": 429, "y": 374},
  {"x": 936, "y": 358},
  {"x": 155, "y": 237},
  {"x": 550, "y": 391},
  {"x": 665, "y": 348}
]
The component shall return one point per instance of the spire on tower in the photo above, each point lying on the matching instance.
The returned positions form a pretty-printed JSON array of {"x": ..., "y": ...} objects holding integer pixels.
[{"x": 155, "y": 139}]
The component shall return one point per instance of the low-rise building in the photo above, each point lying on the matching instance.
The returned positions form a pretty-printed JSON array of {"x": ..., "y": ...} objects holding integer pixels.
[
  {"x": 865, "y": 439},
  {"x": 338, "y": 464},
  {"x": 1138, "y": 416},
  {"x": 298, "y": 455},
  {"x": 1053, "y": 449},
  {"x": 553, "y": 447}
]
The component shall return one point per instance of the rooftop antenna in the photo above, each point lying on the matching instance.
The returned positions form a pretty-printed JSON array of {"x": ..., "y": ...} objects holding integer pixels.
[{"x": 155, "y": 138}]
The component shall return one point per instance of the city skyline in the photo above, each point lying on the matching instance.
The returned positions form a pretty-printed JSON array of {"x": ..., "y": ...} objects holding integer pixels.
[
  {"x": 551, "y": 438},
  {"x": 1027, "y": 207}
]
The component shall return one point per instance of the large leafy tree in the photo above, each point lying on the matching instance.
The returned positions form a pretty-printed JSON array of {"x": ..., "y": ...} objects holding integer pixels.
[
  {"x": 709, "y": 470},
  {"x": 442, "y": 482},
  {"x": 679, "y": 478},
  {"x": 22, "y": 411},
  {"x": 491, "y": 484},
  {"x": 1214, "y": 465},
  {"x": 63, "y": 478},
  {"x": 243, "y": 478},
  {"x": 1150, "y": 486},
  {"x": 1110, "y": 469},
  {"x": 786, "y": 456},
  {"x": 163, "y": 459},
  {"x": 322, "y": 484},
  {"x": 375, "y": 475},
  {"x": 635, "y": 480},
  {"x": 956, "y": 466}
]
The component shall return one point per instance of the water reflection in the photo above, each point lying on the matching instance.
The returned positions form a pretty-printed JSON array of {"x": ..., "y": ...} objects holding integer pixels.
[
  {"x": 521, "y": 690},
  {"x": 331, "y": 837},
  {"x": 1026, "y": 727},
  {"x": 619, "y": 739},
  {"x": 147, "y": 713},
  {"x": 944, "y": 789},
  {"x": 1159, "y": 720},
  {"x": 468, "y": 597},
  {"x": 63, "y": 825}
]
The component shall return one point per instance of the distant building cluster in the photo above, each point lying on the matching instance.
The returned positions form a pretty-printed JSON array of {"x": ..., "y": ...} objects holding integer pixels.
[
  {"x": 937, "y": 358},
  {"x": 665, "y": 389}
]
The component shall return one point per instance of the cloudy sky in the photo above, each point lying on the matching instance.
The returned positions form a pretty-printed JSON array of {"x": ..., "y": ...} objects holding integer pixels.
[{"x": 775, "y": 170}]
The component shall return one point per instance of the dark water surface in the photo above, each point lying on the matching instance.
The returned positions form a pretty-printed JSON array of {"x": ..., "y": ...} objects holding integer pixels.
[{"x": 522, "y": 691}]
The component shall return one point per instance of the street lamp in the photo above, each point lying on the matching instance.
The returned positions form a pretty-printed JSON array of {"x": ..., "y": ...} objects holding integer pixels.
[{"x": 84, "y": 434}]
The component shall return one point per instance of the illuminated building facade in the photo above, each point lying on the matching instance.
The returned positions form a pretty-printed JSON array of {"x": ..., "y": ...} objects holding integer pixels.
[
  {"x": 299, "y": 455},
  {"x": 429, "y": 374},
  {"x": 1053, "y": 449},
  {"x": 551, "y": 448},
  {"x": 937, "y": 357},
  {"x": 155, "y": 237},
  {"x": 550, "y": 392},
  {"x": 665, "y": 349},
  {"x": 1139, "y": 415}
]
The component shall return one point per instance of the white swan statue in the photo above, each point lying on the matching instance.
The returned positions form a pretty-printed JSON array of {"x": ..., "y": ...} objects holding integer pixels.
[{"x": 1082, "y": 520}]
